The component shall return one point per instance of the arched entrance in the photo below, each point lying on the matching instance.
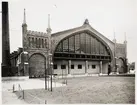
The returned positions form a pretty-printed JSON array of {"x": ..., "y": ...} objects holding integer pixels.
[
  {"x": 37, "y": 65},
  {"x": 124, "y": 67}
]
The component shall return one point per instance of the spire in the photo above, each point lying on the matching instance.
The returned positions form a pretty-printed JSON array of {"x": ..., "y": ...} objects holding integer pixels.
[
  {"x": 114, "y": 40},
  {"x": 125, "y": 36},
  {"x": 48, "y": 20},
  {"x": 125, "y": 41},
  {"x": 49, "y": 29},
  {"x": 24, "y": 20}
]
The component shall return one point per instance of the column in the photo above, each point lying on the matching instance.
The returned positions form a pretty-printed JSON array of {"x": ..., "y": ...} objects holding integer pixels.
[
  {"x": 69, "y": 66},
  {"x": 100, "y": 67},
  {"x": 86, "y": 66}
]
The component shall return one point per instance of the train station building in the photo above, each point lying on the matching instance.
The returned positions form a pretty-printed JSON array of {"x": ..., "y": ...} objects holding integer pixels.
[{"x": 81, "y": 50}]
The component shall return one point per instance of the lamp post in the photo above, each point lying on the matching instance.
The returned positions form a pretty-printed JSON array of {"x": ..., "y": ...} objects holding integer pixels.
[
  {"x": 45, "y": 79},
  {"x": 115, "y": 64},
  {"x": 51, "y": 65},
  {"x": 50, "y": 68}
]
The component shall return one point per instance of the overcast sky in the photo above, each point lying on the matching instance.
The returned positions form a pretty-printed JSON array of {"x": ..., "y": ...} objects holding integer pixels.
[{"x": 106, "y": 16}]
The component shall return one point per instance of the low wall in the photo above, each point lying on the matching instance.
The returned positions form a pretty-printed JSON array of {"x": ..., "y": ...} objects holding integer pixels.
[{"x": 15, "y": 78}]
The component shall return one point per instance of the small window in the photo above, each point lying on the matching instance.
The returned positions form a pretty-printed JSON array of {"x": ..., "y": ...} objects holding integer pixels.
[
  {"x": 72, "y": 66},
  {"x": 93, "y": 66},
  {"x": 55, "y": 66},
  {"x": 63, "y": 66},
  {"x": 88, "y": 66},
  {"x": 79, "y": 66}
]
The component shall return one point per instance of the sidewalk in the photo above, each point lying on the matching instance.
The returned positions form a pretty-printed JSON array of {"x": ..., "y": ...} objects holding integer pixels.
[{"x": 8, "y": 97}]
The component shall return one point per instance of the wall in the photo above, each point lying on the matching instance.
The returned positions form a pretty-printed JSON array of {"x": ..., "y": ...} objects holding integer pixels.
[
  {"x": 104, "y": 68},
  {"x": 120, "y": 65},
  {"x": 76, "y": 70},
  {"x": 91, "y": 70},
  {"x": 120, "y": 50},
  {"x": 59, "y": 70}
]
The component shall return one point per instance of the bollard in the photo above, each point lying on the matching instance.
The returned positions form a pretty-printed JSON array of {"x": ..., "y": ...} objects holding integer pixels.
[
  {"x": 13, "y": 88},
  {"x": 18, "y": 86},
  {"x": 23, "y": 94}
]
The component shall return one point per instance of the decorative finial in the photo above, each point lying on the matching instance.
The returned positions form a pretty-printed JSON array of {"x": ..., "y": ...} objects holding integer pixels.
[
  {"x": 24, "y": 20},
  {"x": 86, "y": 21}
]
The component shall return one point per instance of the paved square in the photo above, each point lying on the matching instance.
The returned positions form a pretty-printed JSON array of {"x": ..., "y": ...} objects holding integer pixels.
[{"x": 107, "y": 89}]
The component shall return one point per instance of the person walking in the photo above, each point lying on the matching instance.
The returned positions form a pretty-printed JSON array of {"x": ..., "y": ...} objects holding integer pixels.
[{"x": 109, "y": 69}]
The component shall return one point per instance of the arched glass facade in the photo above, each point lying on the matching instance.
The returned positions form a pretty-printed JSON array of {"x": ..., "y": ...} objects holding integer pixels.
[{"x": 82, "y": 45}]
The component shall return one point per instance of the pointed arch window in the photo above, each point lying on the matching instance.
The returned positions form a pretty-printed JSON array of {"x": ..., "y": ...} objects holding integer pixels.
[
  {"x": 46, "y": 43},
  {"x": 36, "y": 43},
  {"x": 42, "y": 44},
  {"x": 33, "y": 43},
  {"x": 29, "y": 41}
]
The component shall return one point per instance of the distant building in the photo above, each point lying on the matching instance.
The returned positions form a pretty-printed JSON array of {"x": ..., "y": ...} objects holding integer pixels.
[{"x": 78, "y": 51}]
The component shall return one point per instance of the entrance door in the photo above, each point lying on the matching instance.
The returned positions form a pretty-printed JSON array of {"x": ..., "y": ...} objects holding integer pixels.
[{"x": 37, "y": 65}]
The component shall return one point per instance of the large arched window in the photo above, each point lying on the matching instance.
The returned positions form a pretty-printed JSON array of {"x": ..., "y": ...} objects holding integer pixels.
[{"x": 80, "y": 45}]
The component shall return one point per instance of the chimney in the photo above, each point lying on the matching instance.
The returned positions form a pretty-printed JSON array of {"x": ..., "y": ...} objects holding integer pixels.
[{"x": 5, "y": 41}]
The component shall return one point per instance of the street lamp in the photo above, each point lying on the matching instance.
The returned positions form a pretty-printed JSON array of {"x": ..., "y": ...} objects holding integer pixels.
[
  {"x": 115, "y": 64},
  {"x": 51, "y": 66},
  {"x": 45, "y": 79}
]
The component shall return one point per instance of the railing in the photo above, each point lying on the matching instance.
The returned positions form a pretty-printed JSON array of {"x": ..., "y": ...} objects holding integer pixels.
[
  {"x": 21, "y": 92},
  {"x": 27, "y": 97},
  {"x": 31, "y": 99}
]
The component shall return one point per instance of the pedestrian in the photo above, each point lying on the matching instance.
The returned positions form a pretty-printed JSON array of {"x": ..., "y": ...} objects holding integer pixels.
[{"x": 109, "y": 69}]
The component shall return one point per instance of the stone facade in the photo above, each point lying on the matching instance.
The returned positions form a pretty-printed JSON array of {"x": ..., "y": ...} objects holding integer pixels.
[{"x": 40, "y": 45}]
